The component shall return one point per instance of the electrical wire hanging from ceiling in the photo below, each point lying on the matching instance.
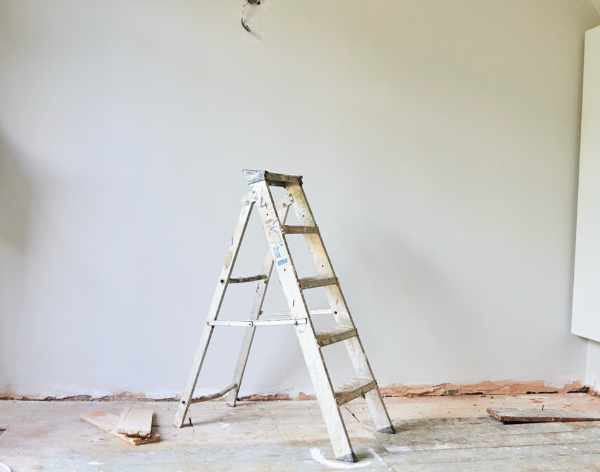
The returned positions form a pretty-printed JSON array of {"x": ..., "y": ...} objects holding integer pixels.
[{"x": 246, "y": 11}]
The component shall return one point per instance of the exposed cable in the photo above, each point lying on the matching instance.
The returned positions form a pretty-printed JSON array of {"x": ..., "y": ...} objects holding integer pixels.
[{"x": 246, "y": 15}]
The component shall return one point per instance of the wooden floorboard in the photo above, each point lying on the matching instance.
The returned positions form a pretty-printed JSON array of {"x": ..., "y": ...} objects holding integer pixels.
[
  {"x": 434, "y": 435},
  {"x": 537, "y": 415}
]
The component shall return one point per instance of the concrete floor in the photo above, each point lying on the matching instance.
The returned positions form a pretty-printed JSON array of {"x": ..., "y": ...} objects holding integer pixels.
[{"x": 434, "y": 434}]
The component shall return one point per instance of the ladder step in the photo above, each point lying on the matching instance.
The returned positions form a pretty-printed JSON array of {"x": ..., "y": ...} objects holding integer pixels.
[
  {"x": 279, "y": 180},
  {"x": 253, "y": 323},
  {"x": 252, "y": 278},
  {"x": 314, "y": 282},
  {"x": 335, "y": 336},
  {"x": 354, "y": 390},
  {"x": 326, "y": 311},
  {"x": 291, "y": 229},
  {"x": 213, "y": 396}
]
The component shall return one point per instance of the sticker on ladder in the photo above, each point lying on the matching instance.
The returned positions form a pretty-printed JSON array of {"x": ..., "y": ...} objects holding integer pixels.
[{"x": 280, "y": 254}]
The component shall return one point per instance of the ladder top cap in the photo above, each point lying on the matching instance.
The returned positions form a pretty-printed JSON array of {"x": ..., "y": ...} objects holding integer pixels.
[{"x": 254, "y": 176}]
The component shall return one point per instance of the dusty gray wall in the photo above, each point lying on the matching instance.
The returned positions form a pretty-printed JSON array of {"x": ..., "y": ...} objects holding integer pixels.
[
  {"x": 592, "y": 372},
  {"x": 438, "y": 140}
]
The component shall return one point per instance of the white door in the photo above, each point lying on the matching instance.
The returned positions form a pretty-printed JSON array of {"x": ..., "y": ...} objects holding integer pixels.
[{"x": 586, "y": 286}]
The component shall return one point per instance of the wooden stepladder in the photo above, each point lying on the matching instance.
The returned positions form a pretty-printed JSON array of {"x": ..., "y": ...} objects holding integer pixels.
[{"x": 312, "y": 342}]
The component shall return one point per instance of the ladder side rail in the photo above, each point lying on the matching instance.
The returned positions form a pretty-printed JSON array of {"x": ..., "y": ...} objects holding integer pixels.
[
  {"x": 306, "y": 335},
  {"x": 259, "y": 298},
  {"x": 316, "y": 246},
  {"x": 324, "y": 267},
  {"x": 213, "y": 312},
  {"x": 338, "y": 304}
]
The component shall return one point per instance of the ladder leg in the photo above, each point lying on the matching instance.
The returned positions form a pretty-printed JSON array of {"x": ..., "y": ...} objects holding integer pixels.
[
  {"x": 186, "y": 397},
  {"x": 338, "y": 435},
  {"x": 360, "y": 362},
  {"x": 375, "y": 404},
  {"x": 215, "y": 306},
  {"x": 337, "y": 302},
  {"x": 259, "y": 298},
  {"x": 317, "y": 369},
  {"x": 261, "y": 289}
]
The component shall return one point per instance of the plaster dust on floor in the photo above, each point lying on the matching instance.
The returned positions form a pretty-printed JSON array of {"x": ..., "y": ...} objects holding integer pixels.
[{"x": 449, "y": 433}]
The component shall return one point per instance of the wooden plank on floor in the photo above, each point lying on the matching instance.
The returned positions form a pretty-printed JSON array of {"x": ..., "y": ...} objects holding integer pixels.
[
  {"x": 537, "y": 415},
  {"x": 108, "y": 422},
  {"x": 135, "y": 422}
]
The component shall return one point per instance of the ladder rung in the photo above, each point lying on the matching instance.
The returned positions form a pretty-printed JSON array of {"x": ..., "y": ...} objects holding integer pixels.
[
  {"x": 354, "y": 390},
  {"x": 253, "y": 323},
  {"x": 252, "y": 278},
  {"x": 314, "y": 282},
  {"x": 271, "y": 178},
  {"x": 213, "y": 396},
  {"x": 324, "y": 311},
  {"x": 291, "y": 229},
  {"x": 335, "y": 336}
]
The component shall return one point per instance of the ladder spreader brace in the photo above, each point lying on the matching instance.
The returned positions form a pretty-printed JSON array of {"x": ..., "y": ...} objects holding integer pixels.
[{"x": 311, "y": 341}]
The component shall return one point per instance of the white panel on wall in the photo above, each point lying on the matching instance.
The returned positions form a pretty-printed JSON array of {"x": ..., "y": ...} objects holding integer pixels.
[{"x": 586, "y": 287}]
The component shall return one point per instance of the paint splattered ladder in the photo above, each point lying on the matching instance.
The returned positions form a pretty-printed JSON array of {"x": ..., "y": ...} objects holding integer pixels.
[{"x": 260, "y": 197}]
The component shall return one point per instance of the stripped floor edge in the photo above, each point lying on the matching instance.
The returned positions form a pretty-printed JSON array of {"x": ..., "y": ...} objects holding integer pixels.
[{"x": 487, "y": 387}]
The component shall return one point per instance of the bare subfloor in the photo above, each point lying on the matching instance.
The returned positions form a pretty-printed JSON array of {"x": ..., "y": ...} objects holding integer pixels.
[{"x": 434, "y": 434}]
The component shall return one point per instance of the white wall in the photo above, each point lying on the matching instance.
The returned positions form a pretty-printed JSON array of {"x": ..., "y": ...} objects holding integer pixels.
[{"x": 439, "y": 146}]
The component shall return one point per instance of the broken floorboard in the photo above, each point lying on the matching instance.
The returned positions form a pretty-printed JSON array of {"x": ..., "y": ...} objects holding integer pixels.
[{"x": 538, "y": 415}]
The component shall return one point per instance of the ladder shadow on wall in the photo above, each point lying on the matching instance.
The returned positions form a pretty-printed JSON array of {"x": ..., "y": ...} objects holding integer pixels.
[
  {"x": 16, "y": 200},
  {"x": 16, "y": 196},
  {"x": 426, "y": 291}
]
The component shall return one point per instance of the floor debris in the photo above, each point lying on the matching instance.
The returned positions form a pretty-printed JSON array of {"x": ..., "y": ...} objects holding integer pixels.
[
  {"x": 434, "y": 434},
  {"x": 136, "y": 422},
  {"x": 533, "y": 415},
  {"x": 109, "y": 423}
]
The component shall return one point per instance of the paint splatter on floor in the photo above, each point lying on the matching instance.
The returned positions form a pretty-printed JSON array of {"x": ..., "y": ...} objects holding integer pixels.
[{"x": 318, "y": 456}]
